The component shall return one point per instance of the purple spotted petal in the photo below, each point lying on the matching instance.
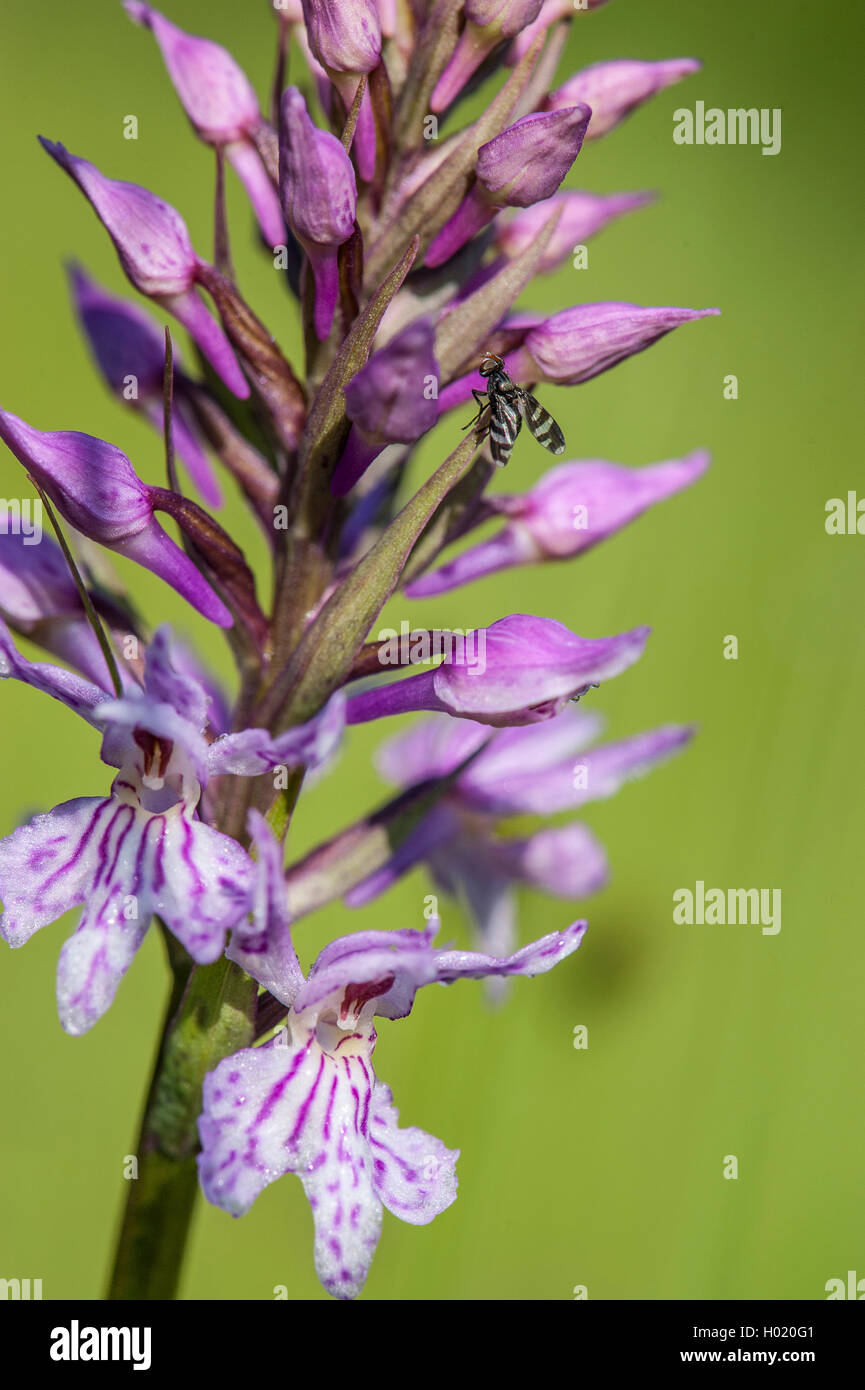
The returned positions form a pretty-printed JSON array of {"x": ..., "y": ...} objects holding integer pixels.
[
  {"x": 124, "y": 864},
  {"x": 253, "y": 751},
  {"x": 298, "y": 1109},
  {"x": 535, "y": 959},
  {"x": 388, "y": 966},
  {"x": 319, "y": 1112},
  {"x": 163, "y": 681},
  {"x": 414, "y": 1173}
]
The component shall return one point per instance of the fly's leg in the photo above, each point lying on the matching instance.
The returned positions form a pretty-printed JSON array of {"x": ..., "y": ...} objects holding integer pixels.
[{"x": 482, "y": 400}]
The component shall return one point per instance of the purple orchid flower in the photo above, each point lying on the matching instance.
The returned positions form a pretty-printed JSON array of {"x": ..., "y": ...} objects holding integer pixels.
[
  {"x": 518, "y": 671},
  {"x": 221, "y": 105},
  {"x": 488, "y": 22},
  {"x": 571, "y": 509},
  {"x": 614, "y": 90},
  {"x": 346, "y": 40},
  {"x": 141, "y": 851},
  {"x": 319, "y": 197},
  {"x": 393, "y": 399},
  {"x": 94, "y": 486},
  {"x": 153, "y": 244},
  {"x": 309, "y": 1102},
  {"x": 130, "y": 352},
  {"x": 577, "y": 343},
  {"x": 408, "y": 254},
  {"x": 516, "y": 772},
  {"x": 522, "y": 166}
]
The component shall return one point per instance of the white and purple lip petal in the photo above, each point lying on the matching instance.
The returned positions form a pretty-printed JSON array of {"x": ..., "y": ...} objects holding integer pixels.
[
  {"x": 314, "y": 1107},
  {"x": 124, "y": 864}
]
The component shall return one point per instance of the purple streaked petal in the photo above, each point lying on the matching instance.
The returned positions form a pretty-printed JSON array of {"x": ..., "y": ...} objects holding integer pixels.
[
  {"x": 197, "y": 880},
  {"x": 95, "y": 958},
  {"x": 401, "y": 961},
  {"x": 298, "y": 1109},
  {"x": 137, "y": 711},
  {"x": 46, "y": 866},
  {"x": 253, "y": 751},
  {"x": 535, "y": 959},
  {"x": 70, "y": 689},
  {"x": 414, "y": 1174}
]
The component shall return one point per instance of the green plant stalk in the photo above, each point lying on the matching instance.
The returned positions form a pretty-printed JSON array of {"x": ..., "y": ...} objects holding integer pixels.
[{"x": 209, "y": 1016}]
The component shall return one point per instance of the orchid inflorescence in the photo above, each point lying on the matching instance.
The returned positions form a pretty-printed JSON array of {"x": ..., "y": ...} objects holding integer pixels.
[{"x": 405, "y": 253}]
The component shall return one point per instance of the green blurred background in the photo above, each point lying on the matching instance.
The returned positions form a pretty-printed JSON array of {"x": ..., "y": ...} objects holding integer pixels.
[{"x": 600, "y": 1167}]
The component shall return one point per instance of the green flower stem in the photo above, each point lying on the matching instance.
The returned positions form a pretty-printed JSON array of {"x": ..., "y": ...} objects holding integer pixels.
[{"x": 209, "y": 1016}]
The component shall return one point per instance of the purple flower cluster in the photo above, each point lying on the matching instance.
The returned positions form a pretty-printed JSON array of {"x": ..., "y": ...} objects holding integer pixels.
[{"x": 405, "y": 253}]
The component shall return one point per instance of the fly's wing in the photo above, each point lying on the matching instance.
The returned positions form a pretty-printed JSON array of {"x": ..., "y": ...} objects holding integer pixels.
[
  {"x": 505, "y": 425},
  {"x": 541, "y": 423}
]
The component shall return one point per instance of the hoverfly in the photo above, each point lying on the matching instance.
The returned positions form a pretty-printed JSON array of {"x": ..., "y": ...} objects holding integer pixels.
[{"x": 509, "y": 405}]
